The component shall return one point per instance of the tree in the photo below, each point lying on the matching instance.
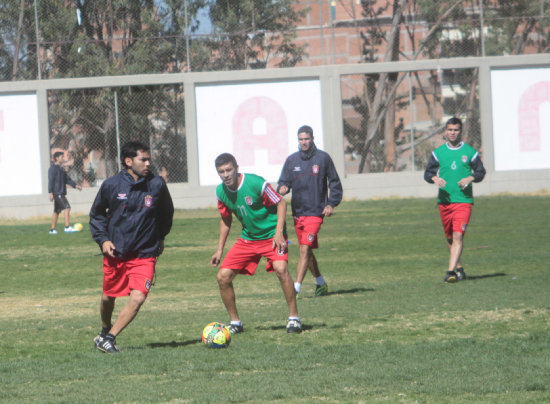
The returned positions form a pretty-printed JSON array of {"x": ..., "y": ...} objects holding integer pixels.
[
  {"x": 17, "y": 41},
  {"x": 249, "y": 33},
  {"x": 515, "y": 25},
  {"x": 113, "y": 37},
  {"x": 378, "y": 102}
]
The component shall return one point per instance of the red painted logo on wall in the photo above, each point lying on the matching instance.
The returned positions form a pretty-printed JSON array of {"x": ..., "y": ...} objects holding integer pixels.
[
  {"x": 529, "y": 116},
  {"x": 260, "y": 123}
]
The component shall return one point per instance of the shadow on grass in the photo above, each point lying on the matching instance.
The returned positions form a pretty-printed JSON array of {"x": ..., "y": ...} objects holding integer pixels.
[
  {"x": 305, "y": 327},
  {"x": 173, "y": 344},
  {"x": 475, "y": 278},
  {"x": 341, "y": 292}
]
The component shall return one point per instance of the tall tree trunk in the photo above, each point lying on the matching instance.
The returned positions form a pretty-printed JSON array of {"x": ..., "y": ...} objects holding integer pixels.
[
  {"x": 18, "y": 41},
  {"x": 389, "y": 139},
  {"x": 378, "y": 104}
]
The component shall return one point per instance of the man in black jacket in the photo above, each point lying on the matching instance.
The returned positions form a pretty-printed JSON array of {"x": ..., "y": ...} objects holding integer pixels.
[
  {"x": 57, "y": 188},
  {"x": 129, "y": 219},
  {"x": 316, "y": 191}
]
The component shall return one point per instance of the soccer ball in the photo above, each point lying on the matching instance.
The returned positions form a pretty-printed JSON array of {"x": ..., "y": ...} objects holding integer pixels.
[
  {"x": 215, "y": 335},
  {"x": 78, "y": 226}
]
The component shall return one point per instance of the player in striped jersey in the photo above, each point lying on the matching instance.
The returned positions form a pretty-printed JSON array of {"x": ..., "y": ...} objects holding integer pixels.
[{"x": 262, "y": 212}]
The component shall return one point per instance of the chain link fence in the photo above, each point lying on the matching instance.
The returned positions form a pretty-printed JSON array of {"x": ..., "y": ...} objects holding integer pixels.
[
  {"x": 391, "y": 121},
  {"x": 90, "y": 125},
  {"x": 412, "y": 122}
]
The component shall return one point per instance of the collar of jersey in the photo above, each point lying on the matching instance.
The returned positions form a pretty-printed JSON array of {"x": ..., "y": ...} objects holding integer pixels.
[
  {"x": 240, "y": 185},
  {"x": 457, "y": 147}
]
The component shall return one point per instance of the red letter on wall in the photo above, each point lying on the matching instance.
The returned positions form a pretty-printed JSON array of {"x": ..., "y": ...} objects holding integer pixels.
[
  {"x": 529, "y": 115},
  {"x": 260, "y": 123}
]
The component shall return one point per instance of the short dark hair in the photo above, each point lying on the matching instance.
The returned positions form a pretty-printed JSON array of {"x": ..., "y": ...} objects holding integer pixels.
[
  {"x": 305, "y": 129},
  {"x": 454, "y": 121},
  {"x": 130, "y": 149},
  {"x": 225, "y": 158},
  {"x": 57, "y": 154}
]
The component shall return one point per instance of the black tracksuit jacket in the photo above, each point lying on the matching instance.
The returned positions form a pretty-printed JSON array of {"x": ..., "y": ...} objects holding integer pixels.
[
  {"x": 134, "y": 215},
  {"x": 314, "y": 182}
]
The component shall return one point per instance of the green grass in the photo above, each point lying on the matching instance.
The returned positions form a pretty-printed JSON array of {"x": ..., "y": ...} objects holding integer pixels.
[{"x": 389, "y": 331}]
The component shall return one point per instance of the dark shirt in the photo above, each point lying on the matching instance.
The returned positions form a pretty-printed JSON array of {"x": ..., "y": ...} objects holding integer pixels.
[
  {"x": 134, "y": 215},
  {"x": 314, "y": 182},
  {"x": 58, "y": 180}
]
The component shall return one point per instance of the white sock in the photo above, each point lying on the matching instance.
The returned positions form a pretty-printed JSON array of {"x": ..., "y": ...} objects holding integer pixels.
[
  {"x": 293, "y": 318},
  {"x": 297, "y": 287},
  {"x": 320, "y": 280},
  {"x": 238, "y": 322}
]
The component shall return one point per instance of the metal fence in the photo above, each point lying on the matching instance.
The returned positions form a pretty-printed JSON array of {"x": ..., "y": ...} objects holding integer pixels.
[
  {"x": 390, "y": 121},
  {"x": 89, "y": 125},
  {"x": 409, "y": 117}
]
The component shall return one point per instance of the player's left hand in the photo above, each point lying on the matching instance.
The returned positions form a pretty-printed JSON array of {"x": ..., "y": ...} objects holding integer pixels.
[
  {"x": 464, "y": 182},
  {"x": 328, "y": 211}
]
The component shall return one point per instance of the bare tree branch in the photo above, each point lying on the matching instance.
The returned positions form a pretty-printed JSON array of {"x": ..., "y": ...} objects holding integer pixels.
[{"x": 379, "y": 103}]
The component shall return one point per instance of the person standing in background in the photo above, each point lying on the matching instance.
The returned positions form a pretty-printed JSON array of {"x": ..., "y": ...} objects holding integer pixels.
[
  {"x": 453, "y": 167},
  {"x": 316, "y": 191},
  {"x": 57, "y": 188}
]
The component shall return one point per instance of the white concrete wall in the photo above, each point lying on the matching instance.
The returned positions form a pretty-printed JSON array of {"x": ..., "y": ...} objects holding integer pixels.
[{"x": 357, "y": 186}]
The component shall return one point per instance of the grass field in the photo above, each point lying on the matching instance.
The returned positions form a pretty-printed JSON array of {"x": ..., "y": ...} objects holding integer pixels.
[{"x": 390, "y": 331}]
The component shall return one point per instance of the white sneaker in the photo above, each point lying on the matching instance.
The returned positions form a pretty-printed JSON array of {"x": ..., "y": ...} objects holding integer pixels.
[
  {"x": 294, "y": 326},
  {"x": 52, "y": 231},
  {"x": 70, "y": 229}
]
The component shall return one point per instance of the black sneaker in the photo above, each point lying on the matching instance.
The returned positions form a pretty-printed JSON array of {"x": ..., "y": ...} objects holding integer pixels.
[
  {"x": 106, "y": 345},
  {"x": 235, "y": 328},
  {"x": 104, "y": 331},
  {"x": 460, "y": 274},
  {"x": 294, "y": 326},
  {"x": 98, "y": 339},
  {"x": 451, "y": 277}
]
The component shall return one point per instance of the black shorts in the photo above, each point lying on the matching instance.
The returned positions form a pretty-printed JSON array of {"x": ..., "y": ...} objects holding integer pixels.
[{"x": 60, "y": 203}]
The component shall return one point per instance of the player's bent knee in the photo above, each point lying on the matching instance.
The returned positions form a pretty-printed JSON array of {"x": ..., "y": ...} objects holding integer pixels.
[
  {"x": 281, "y": 268},
  {"x": 225, "y": 276},
  {"x": 137, "y": 297}
]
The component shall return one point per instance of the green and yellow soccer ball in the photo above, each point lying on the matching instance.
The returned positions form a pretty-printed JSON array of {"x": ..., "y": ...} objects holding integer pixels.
[
  {"x": 216, "y": 335},
  {"x": 78, "y": 226}
]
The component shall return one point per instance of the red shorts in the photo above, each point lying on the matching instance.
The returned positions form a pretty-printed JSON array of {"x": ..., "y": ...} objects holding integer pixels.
[
  {"x": 244, "y": 256},
  {"x": 307, "y": 228},
  {"x": 455, "y": 217},
  {"x": 122, "y": 276}
]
